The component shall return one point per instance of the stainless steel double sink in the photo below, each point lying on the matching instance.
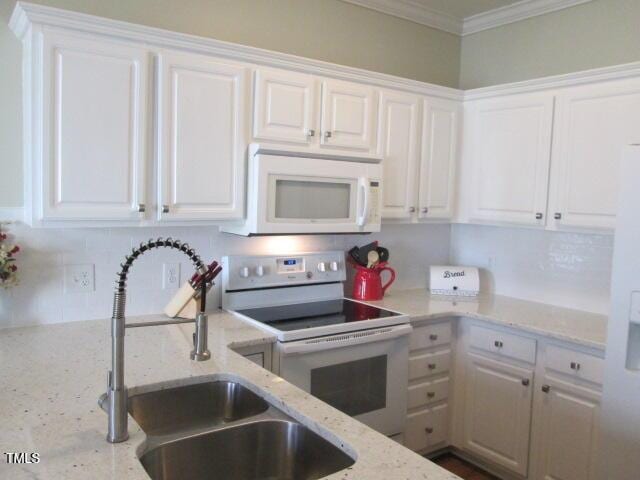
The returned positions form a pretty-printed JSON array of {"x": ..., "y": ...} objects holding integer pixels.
[{"x": 222, "y": 430}]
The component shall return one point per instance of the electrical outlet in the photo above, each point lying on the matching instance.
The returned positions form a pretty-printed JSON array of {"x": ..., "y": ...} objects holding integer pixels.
[
  {"x": 171, "y": 276},
  {"x": 79, "y": 278}
]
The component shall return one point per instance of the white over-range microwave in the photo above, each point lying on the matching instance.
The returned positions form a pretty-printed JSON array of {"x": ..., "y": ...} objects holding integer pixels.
[{"x": 291, "y": 192}]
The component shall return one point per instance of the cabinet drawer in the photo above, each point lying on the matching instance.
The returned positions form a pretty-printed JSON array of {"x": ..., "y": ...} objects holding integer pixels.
[
  {"x": 575, "y": 364},
  {"x": 429, "y": 364},
  {"x": 427, "y": 428},
  {"x": 430, "y": 336},
  {"x": 503, "y": 344},
  {"x": 427, "y": 393}
]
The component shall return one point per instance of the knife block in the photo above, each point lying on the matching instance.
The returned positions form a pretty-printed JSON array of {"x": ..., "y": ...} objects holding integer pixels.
[{"x": 184, "y": 304}]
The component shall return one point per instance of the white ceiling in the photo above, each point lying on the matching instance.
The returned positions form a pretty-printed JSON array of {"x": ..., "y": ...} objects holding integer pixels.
[
  {"x": 464, "y": 8},
  {"x": 464, "y": 17}
]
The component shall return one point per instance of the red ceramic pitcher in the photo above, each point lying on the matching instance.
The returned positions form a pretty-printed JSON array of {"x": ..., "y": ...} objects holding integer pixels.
[{"x": 367, "y": 284}]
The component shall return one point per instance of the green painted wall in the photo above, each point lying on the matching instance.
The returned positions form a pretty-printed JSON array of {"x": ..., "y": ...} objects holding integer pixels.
[
  {"x": 329, "y": 30},
  {"x": 591, "y": 35}
]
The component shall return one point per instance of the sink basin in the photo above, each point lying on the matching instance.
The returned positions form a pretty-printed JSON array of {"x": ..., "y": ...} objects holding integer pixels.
[
  {"x": 266, "y": 449},
  {"x": 192, "y": 406}
]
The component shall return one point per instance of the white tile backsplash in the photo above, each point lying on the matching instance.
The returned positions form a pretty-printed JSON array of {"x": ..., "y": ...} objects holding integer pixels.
[
  {"x": 40, "y": 297},
  {"x": 567, "y": 269}
]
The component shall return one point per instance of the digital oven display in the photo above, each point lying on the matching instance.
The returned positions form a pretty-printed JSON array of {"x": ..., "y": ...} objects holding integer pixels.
[
  {"x": 289, "y": 262},
  {"x": 290, "y": 265}
]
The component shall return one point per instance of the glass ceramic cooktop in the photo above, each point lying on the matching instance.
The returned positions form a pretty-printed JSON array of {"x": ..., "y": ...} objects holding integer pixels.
[{"x": 315, "y": 314}]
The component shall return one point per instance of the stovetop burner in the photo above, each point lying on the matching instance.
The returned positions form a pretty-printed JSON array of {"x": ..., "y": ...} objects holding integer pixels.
[{"x": 302, "y": 316}]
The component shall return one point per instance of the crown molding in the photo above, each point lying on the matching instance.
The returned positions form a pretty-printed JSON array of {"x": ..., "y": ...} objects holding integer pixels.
[
  {"x": 419, "y": 13},
  {"x": 414, "y": 11},
  {"x": 514, "y": 13},
  {"x": 25, "y": 14}
]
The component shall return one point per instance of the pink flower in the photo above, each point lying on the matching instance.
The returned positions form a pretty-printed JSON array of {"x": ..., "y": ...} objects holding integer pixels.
[
  {"x": 13, "y": 268},
  {"x": 3, "y": 236},
  {"x": 15, "y": 249}
]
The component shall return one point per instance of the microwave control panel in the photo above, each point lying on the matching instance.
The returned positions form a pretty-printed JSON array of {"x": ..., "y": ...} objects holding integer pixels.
[
  {"x": 262, "y": 271},
  {"x": 374, "y": 207}
]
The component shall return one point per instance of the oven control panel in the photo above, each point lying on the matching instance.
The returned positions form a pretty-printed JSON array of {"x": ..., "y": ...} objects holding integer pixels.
[{"x": 262, "y": 271}]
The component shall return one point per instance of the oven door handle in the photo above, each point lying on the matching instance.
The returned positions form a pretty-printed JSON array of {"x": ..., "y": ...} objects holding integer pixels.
[{"x": 344, "y": 340}]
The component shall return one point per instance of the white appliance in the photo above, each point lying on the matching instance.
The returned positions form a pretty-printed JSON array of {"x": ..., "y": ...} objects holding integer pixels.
[
  {"x": 292, "y": 192},
  {"x": 457, "y": 281},
  {"x": 352, "y": 355},
  {"x": 620, "y": 442}
]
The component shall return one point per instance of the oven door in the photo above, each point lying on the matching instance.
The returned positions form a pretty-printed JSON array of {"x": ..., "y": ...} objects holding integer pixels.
[
  {"x": 363, "y": 374},
  {"x": 311, "y": 195}
]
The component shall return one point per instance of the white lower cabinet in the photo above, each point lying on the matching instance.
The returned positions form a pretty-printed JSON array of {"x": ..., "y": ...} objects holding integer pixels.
[
  {"x": 497, "y": 415},
  {"x": 567, "y": 444}
]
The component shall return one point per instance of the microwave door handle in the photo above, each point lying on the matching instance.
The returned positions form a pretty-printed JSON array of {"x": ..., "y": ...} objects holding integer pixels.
[{"x": 364, "y": 196}]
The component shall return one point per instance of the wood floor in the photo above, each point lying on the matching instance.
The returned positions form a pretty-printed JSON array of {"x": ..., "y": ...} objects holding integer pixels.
[{"x": 461, "y": 468}]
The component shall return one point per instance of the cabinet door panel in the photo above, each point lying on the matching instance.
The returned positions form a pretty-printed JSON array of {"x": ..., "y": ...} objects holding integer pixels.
[
  {"x": 201, "y": 141},
  {"x": 439, "y": 151},
  {"x": 593, "y": 125},
  {"x": 568, "y": 442},
  {"x": 348, "y": 116},
  {"x": 498, "y": 412},
  {"x": 95, "y": 101},
  {"x": 398, "y": 147},
  {"x": 511, "y": 149},
  {"x": 286, "y": 107}
]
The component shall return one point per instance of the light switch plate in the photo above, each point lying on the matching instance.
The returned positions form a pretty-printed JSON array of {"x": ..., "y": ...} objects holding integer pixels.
[
  {"x": 79, "y": 278},
  {"x": 634, "y": 315}
]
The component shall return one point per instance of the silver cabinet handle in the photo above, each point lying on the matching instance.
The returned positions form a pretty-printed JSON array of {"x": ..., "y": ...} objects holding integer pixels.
[
  {"x": 575, "y": 366},
  {"x": 165, "y": 208},
  {"x": 412, "y": 209},
  {"x": 431, "y": 366},
  {"x": 557, "y": 216},
  {"x": 425, "y": 210},
  {"x": 142, "y": 207},
  {"x": 539, "y": 216},
  {"x": 525, "y": 382},
  {"x": 429, "y": 430},
  {"x": 433, "y": 337},
  {"x": 311, "y": 132},
  {"x": 431, "y": 394},
  {"x": 327, "y": 134},
  {"x": 546, "y": 388},
  {"x": 498, "y": 344}
]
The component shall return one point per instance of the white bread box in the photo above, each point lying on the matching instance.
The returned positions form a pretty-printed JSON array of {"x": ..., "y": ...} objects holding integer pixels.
[{"x": 450, "y": 280}]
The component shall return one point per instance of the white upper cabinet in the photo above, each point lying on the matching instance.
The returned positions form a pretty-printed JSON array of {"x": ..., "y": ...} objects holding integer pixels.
[
  {"x": 438, "y": 161},
  {"x": 568, "y": 443},
  {"x": 348, "y": 116},
  {"x": 286, "y": 107},
  {"x": 509, "y": 153},
  {"x": 398, "y": 146},
  {"x": 593, "y": 124},
  {"x": 497, "y": 413},
  {"x": 202, "y": 137},
  {"x": 93, "y": 114}
]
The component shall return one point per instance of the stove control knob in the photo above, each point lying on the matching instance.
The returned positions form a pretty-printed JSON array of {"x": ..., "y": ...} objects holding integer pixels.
[
  {"x": 244, "y": 272},
  {"x": 259, "y": 270},
  {"x": 333, "y": 266},
  {"x": 322, "y": 267}
]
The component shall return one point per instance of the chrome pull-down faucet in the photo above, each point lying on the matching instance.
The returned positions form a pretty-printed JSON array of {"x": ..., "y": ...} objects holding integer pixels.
[{"x": 114, "y": 401}]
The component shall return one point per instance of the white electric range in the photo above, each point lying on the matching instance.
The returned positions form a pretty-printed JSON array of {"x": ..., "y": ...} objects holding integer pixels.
[{"x": 352, "y": 355}]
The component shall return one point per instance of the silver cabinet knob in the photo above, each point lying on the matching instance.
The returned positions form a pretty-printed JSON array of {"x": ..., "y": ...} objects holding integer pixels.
[
  {"x": 165, "y": 208},
  {"x": 557, "y": 216},
  {"x": 539, "y": 216},
  {"x": 424, "y": 210},
  {"x": 433, "y": 337},
  {"x": 546, "y": 388},
  {"x": 142, "y": 207},
  {"x": 311, "y": 132},
  {"x": 525, "y": 382},
  {"x": 327, "y": 134},
  {"x": 431, "y": 394},
  {"x": 431, "y": 366},
  {"x": 498, "y": 344},
  {"x": 412, "y": 209},
  {"x": 429, "y": 430},
  {"x": 575, "y": 366}
]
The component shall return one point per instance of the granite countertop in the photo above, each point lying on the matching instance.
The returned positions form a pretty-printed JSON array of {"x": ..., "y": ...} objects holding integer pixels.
[
  {"x": 582, "y": 328},
  {"x": 51, "y": 377}
]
